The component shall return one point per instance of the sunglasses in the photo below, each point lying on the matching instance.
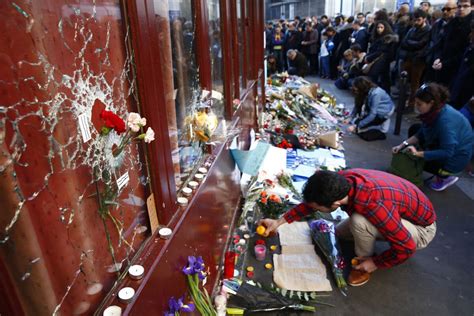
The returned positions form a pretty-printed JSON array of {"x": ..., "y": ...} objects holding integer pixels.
[{"x": 447, "y": 9}]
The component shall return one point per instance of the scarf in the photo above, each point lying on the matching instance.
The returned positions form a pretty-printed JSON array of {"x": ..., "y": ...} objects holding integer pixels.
[{"x": 430, "y": 117}]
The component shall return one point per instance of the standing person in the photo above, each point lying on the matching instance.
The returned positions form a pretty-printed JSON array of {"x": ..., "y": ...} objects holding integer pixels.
[
  {"x": 359, "y": 35},
  {"x": 372, "y": 110},
  {"x": 268, "y": 36},
  {"x": 327, "y": 47},
  {"x": 278, "y": 48},
  {"x": 413, "y": 52},
  {"x": 323, "y": 23},
  {"x": 310, "y": 47},
  {"x": 341, "y": 44},
  {"x": 381, "y": 53},
  {"x": 426, "y": 7},
  {"x": 361, "y": 20},
  {"x": 436, "y": 35},
  {"x": 444, "y": 139},
  {"x": 293, "y": 38},
  {"x": 462, "y": 88},
  {"x": 454, "y": 43},
  {"x": 381, "y": 206}
]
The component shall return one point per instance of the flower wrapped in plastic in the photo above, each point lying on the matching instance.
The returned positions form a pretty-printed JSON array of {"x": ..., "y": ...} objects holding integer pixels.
[
  {"x": 177, "y": 306},
  {"x": 324, "y": 235}
]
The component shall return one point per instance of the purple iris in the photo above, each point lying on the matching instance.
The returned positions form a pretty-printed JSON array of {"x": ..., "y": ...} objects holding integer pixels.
[
  {"x": 321, "y": 225},
  {"x": 195, "y": 265},
  {"x": 177, "y": 305}
]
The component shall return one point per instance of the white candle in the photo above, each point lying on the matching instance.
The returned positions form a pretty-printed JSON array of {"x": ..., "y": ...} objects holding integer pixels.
[
  {"x": 198, "y": 176},
  {"x": 136, "y": 272},
  {"x": 193, "y": 184},
  {"x": 113, "y": 310},
  {"x": 202, "y": 170},
  {"x": 187, "y": 191},
  {"x": 182, "y": 201},
  {"x": 165, "y": 233},
  {"x": 126, "y": 295}
]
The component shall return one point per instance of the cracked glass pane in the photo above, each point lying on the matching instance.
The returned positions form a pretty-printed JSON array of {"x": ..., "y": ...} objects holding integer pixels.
[{"x": 72, "y": 197}]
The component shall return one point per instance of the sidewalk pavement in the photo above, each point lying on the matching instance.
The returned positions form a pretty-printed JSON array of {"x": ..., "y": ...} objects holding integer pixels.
[{"x": 438, "y": 280}]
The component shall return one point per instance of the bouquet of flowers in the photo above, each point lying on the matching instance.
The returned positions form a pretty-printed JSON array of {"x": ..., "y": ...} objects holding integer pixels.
[
  {"x": 285, "y": 181},
  {"x": 324, "y": 235},
  {"x": 272, "y": 205},
  {"x": 194, "y": 272}
]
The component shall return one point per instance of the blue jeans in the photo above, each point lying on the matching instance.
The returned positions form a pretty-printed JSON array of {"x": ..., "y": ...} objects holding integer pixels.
[{"x": 325, "y": 71}]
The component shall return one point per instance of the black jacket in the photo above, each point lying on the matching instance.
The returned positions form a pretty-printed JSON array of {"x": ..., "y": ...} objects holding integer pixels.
[
  {"x": 413, "y": 46},
  {"x": 384, "y": 46},
  {"x": 299, "y": 66}
]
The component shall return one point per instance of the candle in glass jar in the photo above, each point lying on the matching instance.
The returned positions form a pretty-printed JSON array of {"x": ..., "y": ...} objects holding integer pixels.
[
  {"x": 260, "y": 252},
  {"x": 202, "y": 170},
  {"x": 193, "y": 184},
  {"x": 187, "y": 191},
  {"x": 198, "y": 176}
]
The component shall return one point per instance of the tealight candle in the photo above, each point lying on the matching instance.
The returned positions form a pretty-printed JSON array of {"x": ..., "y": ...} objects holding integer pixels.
[
  {"x": 199, "y": 176},
  {"x": 126, "y": 295},
  {"x": 165, "y": 233},
  {"x": 187, "y": 191},
  {"x": 113, "y": 310},
  {"x": 136, "y": 272},
  {"x": 182, "y": 201},
  {"x": 193, "y": 184},
  {"x": 202, "y": 170}
]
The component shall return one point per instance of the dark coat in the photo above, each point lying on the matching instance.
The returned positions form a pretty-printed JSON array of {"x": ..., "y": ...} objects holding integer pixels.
[
  {"x": 361, "y": 37},
  {"x": 298, "y": 66},
  {"x": 414, "y": 44},
  {"x": 385, "y": 45},
  {"x": 293, "y": 40},
  {"x": 462, "y": 88},
  {"x": 453, "y": 44},
  {"x": 436, "y": 34},
  {"x": 312, "y": 39}
]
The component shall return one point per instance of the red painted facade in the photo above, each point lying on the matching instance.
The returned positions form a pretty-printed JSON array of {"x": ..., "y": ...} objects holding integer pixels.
[{"x": 56, "y": 59}]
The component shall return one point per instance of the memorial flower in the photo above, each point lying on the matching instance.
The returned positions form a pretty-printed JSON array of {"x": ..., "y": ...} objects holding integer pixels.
[
  {"x": 194, "y": 272},
  {"x": 176, "y": 306}
]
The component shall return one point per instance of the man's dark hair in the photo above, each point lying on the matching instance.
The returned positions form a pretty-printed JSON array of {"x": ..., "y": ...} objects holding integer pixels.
[
  {"x": 323, "y": 17},
  {"x": 419, "y": 14},
  {"x": 325, "y": 188},
  {"x": 356, "y": 47},
  {"x": 350, "y": 19},
  {"x": 360, "y": 14},
  {"x": 429, "y": 3}
]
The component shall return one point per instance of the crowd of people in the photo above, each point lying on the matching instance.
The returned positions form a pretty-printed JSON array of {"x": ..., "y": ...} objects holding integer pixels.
[
  {"x": 430, "y": 45},
  {"x": 368, "y": 52}
]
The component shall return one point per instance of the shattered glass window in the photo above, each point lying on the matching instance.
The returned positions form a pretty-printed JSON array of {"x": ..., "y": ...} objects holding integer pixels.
[{"x": 73, "y": 209}]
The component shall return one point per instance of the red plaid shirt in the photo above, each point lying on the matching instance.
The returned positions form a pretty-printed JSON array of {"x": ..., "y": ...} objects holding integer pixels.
[{"x": 383, "y": 199}]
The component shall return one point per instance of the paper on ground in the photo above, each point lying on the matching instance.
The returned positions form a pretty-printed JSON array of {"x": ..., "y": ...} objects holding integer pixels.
[
  {"x": 296, "y": 233},
  {"x": 299, "y": 268}
]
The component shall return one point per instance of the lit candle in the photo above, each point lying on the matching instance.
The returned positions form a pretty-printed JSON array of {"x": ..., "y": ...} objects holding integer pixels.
[
  {"x": 198, "y": 177},
  {"x": 182, "y": 201},
  {"x": 136, "y": 272},
  {"x": 113, "y": 310},
  {"x": 260, "y": 252},
  {"x": 193, "y": 184},
  {"x": 165, "y": 233},
  {"x": 187, "y": 191},
  {"x": 126, "y": 295}
]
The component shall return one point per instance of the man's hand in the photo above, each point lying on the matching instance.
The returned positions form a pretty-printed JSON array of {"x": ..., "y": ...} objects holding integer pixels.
[
  {"x": 271, "y": 225},
  {"x": 437, "y": 64},
  {"x": 351, "y": 129},
  {"x": 365, "y": 264}
]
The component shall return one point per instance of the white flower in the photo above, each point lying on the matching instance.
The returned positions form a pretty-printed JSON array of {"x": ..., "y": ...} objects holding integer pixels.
[
  {"x": 149, "y": 135},
  {"x": 142, "y": 122},
  {"x": 134, "y": 121}
]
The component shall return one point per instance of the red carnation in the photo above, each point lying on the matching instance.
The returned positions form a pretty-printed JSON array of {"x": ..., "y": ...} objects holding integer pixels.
[{"x": 113, "y": 121}]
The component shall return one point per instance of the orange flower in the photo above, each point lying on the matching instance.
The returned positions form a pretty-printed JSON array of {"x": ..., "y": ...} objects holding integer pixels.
[
  {"x": 275, "y": 198},
  {"x": 263, "y": 194},
  {"x": 264, "y": 200}
]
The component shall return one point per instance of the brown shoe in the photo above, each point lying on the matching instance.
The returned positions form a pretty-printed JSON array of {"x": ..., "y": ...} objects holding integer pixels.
[{"x": 358, "y": 278}]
